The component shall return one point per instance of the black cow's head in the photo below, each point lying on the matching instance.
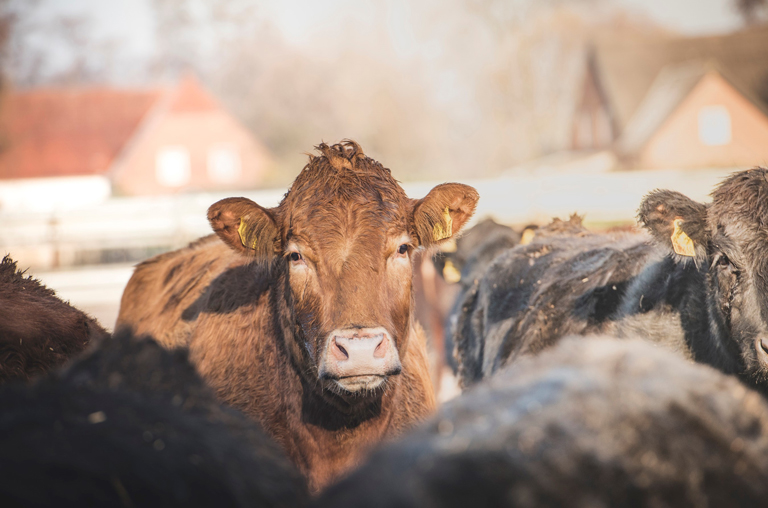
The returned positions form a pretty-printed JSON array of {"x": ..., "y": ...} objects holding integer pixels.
[{"x": 727, "y": 239}]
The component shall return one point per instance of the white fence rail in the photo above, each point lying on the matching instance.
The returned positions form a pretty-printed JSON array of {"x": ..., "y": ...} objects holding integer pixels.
[
  {"x": 43, "y": 240},
  {"x": 60, "y": 237}
]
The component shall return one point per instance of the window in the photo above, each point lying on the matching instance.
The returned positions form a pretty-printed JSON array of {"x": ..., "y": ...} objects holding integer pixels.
[
  {"x": 714, "y": 126},
  {"x": 172, "y": 168},
  {"x": 223, "y": 164}
]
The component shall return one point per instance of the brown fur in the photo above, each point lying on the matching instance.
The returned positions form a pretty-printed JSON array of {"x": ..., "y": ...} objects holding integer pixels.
[
  {"x": 38, "y": 331},
  {"x": 162, "y": 287},
  {"x": 257, "y": 321}
]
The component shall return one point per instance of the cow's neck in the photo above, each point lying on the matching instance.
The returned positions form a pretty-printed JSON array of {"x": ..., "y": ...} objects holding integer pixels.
[
  {"x": 324, "y": 436},
  {"x": 680, "y": 293}
]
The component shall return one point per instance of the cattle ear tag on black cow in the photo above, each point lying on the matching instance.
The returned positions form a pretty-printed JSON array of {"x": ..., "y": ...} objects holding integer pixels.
[
  {"x": 444, "y": 229},
  {"x": 450, "y": 273},
  {"x": 681, "y": 242},
  {"x": 527, "y": 237},
  {"x": 243, "y": 232}
]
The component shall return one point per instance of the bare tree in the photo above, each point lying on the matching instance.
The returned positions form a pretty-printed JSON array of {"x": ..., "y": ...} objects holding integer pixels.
[
  {"x": 14, "y": 20},
  {"x": 41, "y": 49},
  {"x": 193, "y": 34}
]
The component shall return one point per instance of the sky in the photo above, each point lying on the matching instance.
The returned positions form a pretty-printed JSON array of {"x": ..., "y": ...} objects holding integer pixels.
[
  {"x": 690, "y": 17},
  {"x": 300, "y": 21}
]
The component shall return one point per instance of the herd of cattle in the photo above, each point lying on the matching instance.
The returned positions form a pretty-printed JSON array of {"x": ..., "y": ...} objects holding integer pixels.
[{"x": 278, "y": 362}]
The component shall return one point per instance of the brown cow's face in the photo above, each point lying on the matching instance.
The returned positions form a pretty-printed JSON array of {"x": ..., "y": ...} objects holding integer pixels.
[
  {"x": 350, "y": 281},
  {"x": 344, "y": 237}
]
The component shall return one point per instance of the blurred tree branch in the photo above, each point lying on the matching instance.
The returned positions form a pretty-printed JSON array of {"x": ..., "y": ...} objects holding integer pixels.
[{"x": 39, "y": 49}]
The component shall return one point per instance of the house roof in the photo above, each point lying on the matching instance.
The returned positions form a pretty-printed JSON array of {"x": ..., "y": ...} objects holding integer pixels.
[
  {"x": 671, "y": 86},
  {"x": 80, "y": 131},
  {"x": 627, "y": 68},
  {"x": 190, "y": 97},
  {"x": 65, "y": 132}
]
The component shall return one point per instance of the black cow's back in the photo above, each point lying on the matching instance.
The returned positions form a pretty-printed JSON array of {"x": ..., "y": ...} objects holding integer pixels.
[{"x": 533, "y": 295}]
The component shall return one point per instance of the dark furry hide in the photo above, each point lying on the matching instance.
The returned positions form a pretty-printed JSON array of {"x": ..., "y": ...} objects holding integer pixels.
[
  {"x": 593, "y": 422},
  {"x": 38, "y": 331},
  {"x": 475, "y": 250},
  {"x": 131, "y": 424}
]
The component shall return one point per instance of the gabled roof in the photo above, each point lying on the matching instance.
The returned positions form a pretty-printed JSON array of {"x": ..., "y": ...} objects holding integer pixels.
[
  {"x": 672, "y": 85},
  {"x": 627, "y": 68},
  {"x": 67, "y": 132},
  {"x": 190, "y": 97},
  {"x": 80, "y": 131}
]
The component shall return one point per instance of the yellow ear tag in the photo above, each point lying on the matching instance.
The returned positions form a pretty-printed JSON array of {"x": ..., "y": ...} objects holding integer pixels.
[
  {"x": 450, "y": 273},
  {"x": 681, "y": 242},
  {"x": 527, "y": 237},
  {"x": 440, "y": 231},
  {"x": 241, "y": 232}
]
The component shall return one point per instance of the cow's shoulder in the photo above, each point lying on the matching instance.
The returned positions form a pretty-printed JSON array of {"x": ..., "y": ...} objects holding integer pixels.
[{"x": 162, "y": 288}]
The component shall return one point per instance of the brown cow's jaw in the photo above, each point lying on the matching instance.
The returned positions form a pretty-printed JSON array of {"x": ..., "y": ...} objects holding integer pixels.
[
  {"x": 359, "y": 359},
  {"x": 360, "y": 384},
  {"x": 761, "y": 347}
]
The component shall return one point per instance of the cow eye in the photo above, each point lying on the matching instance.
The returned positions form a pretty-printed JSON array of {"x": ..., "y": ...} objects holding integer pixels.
[
  {"x": 295, "y": 257},
  {"x": 722, "y": 261},
  {"x": 402, "y": 249}
]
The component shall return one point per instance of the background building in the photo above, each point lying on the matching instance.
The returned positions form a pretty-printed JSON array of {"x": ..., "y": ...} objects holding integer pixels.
[
  {"x": 140, "y": 141},
  {"x": 677, "y": 102}
]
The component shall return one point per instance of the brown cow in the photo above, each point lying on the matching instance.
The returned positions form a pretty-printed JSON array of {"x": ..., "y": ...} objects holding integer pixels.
[
  {"x": 305, "y": 321},
  {"x": 38, "y": 331}
]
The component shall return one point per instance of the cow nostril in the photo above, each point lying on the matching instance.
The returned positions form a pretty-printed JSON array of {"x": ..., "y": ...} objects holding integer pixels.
[
  {"x": 381, "y": 349},
  {"x": 343, "y": 351}
]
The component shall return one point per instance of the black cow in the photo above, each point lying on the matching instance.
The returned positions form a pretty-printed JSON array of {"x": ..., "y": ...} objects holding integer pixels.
[
  {"x": 470, "y": 256},
  {"x": 593, "y": 422},
  {"x": 37, "y": 330},
  {"x": 700, "y": 288},
  {"x": 131, "y": 424}
]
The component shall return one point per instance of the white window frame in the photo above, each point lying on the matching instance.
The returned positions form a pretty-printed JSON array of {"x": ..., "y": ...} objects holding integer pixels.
[
  {"x": 219, "y": 156},
  {"x": 173, "y": 166},
  {"x": 714, "y": 126}
]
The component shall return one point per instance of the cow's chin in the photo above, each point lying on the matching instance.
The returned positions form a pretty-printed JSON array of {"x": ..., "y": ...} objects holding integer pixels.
[{"x": 370, "y": 385}]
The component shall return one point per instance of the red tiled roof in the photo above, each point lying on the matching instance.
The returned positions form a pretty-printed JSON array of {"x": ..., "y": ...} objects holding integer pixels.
[{"x": 66, "y": 132}]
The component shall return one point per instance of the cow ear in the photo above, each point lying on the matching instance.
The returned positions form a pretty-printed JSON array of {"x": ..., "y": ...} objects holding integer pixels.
[
  {"x": 245, "y": 226},
  {"x": 443, "y": 212},
  {"x": 676, "y": 221}
]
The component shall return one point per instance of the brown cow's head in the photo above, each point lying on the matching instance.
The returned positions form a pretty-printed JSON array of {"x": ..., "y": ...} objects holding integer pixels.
[{"x": 342, "y": 241}]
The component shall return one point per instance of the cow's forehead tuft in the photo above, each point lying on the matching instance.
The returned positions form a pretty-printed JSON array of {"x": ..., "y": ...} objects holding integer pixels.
[{"x": 340, "y": 178}]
